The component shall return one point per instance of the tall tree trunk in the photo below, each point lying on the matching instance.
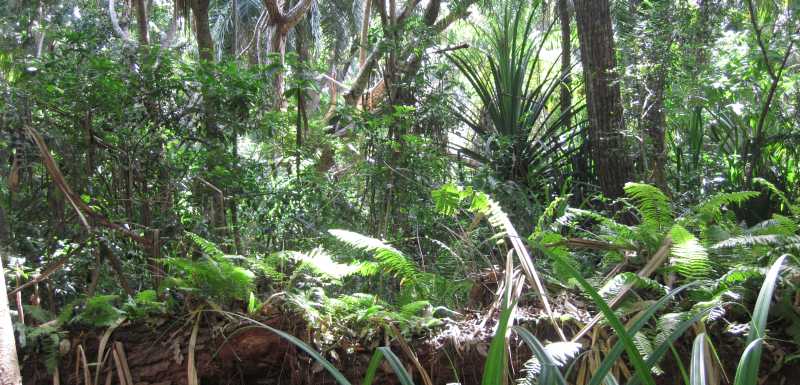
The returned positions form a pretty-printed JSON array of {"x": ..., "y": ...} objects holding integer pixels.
[
  {"x": 205, "y": 44},
  {"x": 612, "y": 163},
  {"x": 280, "y": 23},
  {"x": 141, "y": 22},
  {"x": 214, "y": 194},
  {"x": 9, "y": 366}
]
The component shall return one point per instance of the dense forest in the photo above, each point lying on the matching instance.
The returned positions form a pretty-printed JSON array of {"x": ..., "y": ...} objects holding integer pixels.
[{"x": 405, "y": 192}]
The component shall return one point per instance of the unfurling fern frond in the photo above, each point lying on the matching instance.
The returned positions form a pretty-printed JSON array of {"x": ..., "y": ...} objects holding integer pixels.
[
  {"x": 689, "y": 257},
  {"x": 711, "y": 208},
  {"x": 652, "y": 204},
  {"x": 561, "y": 352},
  {"x": 389, "y": 259}
]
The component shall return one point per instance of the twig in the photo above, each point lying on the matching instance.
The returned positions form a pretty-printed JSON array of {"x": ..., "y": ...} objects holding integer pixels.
[
  {"x": 52, "y": 268},
  {"x": 452, "y": 48}
]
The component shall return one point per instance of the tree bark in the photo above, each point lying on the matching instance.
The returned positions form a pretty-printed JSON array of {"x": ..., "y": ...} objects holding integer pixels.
[
  {"x": 280, "y": 23},
  {"x": 141, "y": 22},
  {"x": 9, "y": 366},
  {"x": 612, "y": 163},
  {"x": 205, "y": 43}
]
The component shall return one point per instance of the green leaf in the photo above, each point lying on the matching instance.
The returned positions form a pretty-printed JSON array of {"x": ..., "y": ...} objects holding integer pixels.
[
  {"x": 697, "y": 374},
  {"x": 747, "y": 371}
]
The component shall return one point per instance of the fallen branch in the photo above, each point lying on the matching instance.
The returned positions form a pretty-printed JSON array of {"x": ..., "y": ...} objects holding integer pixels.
[
  {"x": 81, "y": 208},
  {"x": 652, "y": 265}
]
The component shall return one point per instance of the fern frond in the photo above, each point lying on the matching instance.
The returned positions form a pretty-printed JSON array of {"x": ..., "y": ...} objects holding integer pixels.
[
  {"x": 561, "y": 352},
  {"x": 389, "y": 259},
  {"x": 447, "y": 198},
  {"x": 645, "y": 348},
  {"x": 689, "y": 257},
  {"x": 748, "y": 240},
  {"x": 414, "y": 308},
  {"x": 321, "y": 261},
  {"x": 794, "y": 209},
  {"x": 652, "y": 204},
  {"x": 619, "y": 233},
  {"x": 616, "y": 284},
  {"x": 737, "y": 276},
  {"x": 778, "y": 224},
  {"x": 208, "y": 247},
  {"x": 549, "y": 214},
  {"x": 711, "y": 208},
  {"x": 666, "y": 325}
]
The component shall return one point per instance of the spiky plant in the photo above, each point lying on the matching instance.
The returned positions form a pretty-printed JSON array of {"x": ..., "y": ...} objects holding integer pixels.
[{"x": 520, "y": 137}]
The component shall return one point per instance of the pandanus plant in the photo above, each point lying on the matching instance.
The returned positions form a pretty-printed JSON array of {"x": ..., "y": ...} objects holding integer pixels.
[{"x": 520, "y": 133}]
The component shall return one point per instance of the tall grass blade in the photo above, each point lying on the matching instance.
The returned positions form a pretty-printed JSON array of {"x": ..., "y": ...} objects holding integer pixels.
[
  {"x": 747, "y": 371},
  {"x": 494, "y": 371},
  {"x": 550, "y": 374},
  {"x": 642, "y": 370},
  {"x": 397, "y": 366},
  {"x": 697, "y": 373},
  {"x": 337, "y": 375}
]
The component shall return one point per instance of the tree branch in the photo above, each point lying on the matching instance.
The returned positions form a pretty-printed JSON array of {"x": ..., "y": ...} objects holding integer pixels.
[
  {"x": 274, "y": 10},
  {"x": 296, "y": 13},
  {"x": 112, "y": 13}
]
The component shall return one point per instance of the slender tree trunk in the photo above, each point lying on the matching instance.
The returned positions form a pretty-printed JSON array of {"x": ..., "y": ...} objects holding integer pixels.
[
  {"x": 236, "y": 27},
  {"x": 39, "y": 35},
  {"x": 566, "y": 59},
  {"x": 655, "y": 126},
  {"x": 364, "y": 38},
  {"x": 9, "y": 366},
  {"x": 612, "y": 163}
]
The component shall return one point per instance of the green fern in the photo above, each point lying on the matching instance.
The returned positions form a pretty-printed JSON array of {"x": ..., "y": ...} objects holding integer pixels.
[
  {"x": 652, "y": 204},
  {"x": 560, "y": 352},
  {"x": 711, "y": 208},
  {"x": 389, "y": 259},
  {"x": 778, "y": 224},
  {"x": 645, "y": 348},
  {"x": 99, "y": 311},
  {"x": 615, "y": 285},
  {"x": 322, "y": 262},
  {"x": 46, "y": 337},
  {"x": 214, "y": 276},
  {"x": 208, "y": 247},
  {"x": 689, "y": 257},
  {"x": 610, "y": 230},
  {"x": 794, "y": 209}
]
